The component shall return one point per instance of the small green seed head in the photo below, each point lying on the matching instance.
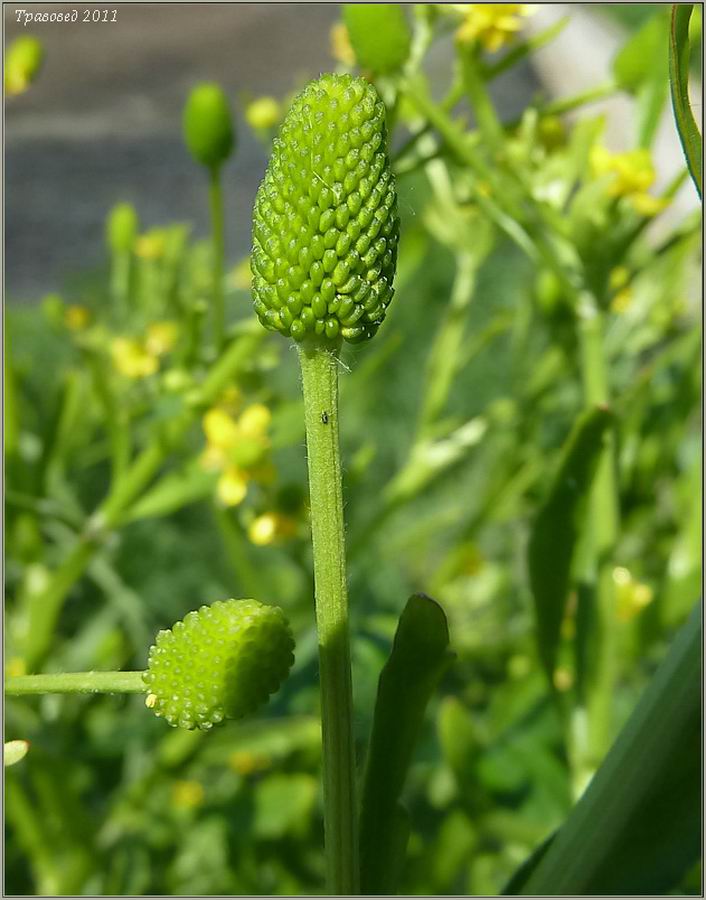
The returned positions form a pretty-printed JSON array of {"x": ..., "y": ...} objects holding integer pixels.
[
  {"x": 23, "y": 61},
  {"x": 325, "y": 226},
  {"x": 379, "y": 35},
  {"x": 221, "y": 662},
  {"x": 208, "y": 125},
  {"x": 121, "y": 228}
]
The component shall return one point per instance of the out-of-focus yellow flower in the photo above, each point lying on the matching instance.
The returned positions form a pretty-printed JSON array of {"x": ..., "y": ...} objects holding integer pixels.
[
  {"x": 563, "y": 679},
  {"x": 131, "y": 358},
  {"x": 232, "y": 486},
  {"x": 15, "y": 666},
  {"x": 630, "y": 174},
  {"x": 76, "y": 317},
  {"x": 151, "y": 245},
  {"x": 263, "y": 113},
  {"x": 161, "y": 337},
  {"x": 493, "y": 24},
  {"x": 246, "y": 763},
  {"x": 621, "y": 301},
  {"x": 340, "y": 45},
  {"x": 618, "y": 277},
  {"x": 631, "y": 596},
  {"x": 240, "y": 276},
  {"x": 236, "y": 447},
  {"x": 187, "y": 794},
  {"x": 271, "y": 527}
]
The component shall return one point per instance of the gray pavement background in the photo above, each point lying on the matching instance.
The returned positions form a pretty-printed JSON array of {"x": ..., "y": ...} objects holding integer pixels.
[{"x": 103, "y": 122}]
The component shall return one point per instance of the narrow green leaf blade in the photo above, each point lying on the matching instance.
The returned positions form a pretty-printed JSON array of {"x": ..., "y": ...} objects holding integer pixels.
[
  {"x": 555, "y": 533},
  {"x": 419, "y": 657},
  {"x": 637, "y": 828},
  {"x": 679, "y": 83}
]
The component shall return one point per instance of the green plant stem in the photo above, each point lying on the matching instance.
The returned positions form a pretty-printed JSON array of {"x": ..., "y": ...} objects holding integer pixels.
[
  {"x": 604, "y": 527},
  {"x": 320, "y": 385},
  {"x": 120, "y": 280},
  {"x": 45, "y": 607},
  {"x": 215, "y": 196},
  {"x": 76, "y": 683}
]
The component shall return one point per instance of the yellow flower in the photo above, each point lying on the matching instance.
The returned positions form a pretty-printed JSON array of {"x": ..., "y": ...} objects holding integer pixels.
[
  {"x": 493, "y": 24},
  {"x": 14, "y": 751},
  {"x": 621, "y": 301},
  {"x": 151, "y": 245},
  {"x": 269, "y": 527},
  {"x": 236, "y": 448},
  {"x": 630, "y": 174},
  {"x": 618, "y": 277},
  {"x": 15, "y": 666},
  {"x": 340, "y": 45},
  {"x": 76, "y": 317},
  {"x": 187, "y": 794},
  {"x": 255, "y": 420},
  {"x": 232, "y": 486},
  {"x": 161, "y": 337},
  {"x": 130, "y": 358},
  {"x": 263, "y": 113},
  {"x": 632, "y": 596}
]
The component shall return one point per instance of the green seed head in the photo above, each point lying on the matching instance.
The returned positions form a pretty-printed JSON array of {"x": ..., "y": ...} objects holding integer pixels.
[
  {"x": 121, "y": 228},
  {"x": 325, "y": 227},
  {"x": 23, "y": 61},
  {"x": 208, "y": 126},
  {"x": 221, "y": 662},
  {"x": 379, "y": 35}
]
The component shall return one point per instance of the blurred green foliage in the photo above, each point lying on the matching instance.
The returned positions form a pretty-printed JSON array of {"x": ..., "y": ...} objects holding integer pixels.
[{"x": 454, "y": 425}]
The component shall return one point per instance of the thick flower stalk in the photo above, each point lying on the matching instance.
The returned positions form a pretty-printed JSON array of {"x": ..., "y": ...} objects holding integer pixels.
[
  {"x": 325, "y": 228},
  {"x": 325, "y": 234}
]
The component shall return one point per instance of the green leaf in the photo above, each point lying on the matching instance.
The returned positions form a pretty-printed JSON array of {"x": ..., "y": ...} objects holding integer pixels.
[
  {"x": 526, "y": 870},
  {"x": 187, "y": 484},
  {"x": 418, "y": 659},
  {"x": 637, "y": 828},
  {"x": 556, "y": 529},
  {"x": 679, "y": 83}
]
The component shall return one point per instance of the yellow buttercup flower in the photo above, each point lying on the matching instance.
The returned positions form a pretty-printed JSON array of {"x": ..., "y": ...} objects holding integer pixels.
[
  {"x": 235, "y": 447},
  {"x": 492, "y": 24},
  {"x": 246, "y": 763},
  {"x": 270, "y": 527},
  {"x": 187, "y": 794},
  {"x": 263, "y": 113},
  {"x": 76, "y": 317},
  {"x": 131, "y": 358},
  {"x": 630, "y": 175},
  {"x": 151, "y": 245},
  {"x": 161, "y": 337},
  {"x": 340, "y": 45}
]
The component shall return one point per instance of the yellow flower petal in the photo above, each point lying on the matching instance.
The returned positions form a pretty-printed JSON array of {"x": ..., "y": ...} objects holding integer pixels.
[
  {"x": 187, "y": 794},
  {"x": 220, "y": 429},
  {"x": 232, "y": 487},
  {"x": 76, "y": 317},
  {"x": 161, "y": 337},
  {"x": 255, "y": 420},
  {"x": 263, "y": 113},
  {"x": 263, "y": 529}
]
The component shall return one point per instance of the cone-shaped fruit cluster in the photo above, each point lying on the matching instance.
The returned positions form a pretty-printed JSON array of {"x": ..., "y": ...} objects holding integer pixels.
[
  {"x": 221, "y": 662},
  {"x": 325, "y": 226}
]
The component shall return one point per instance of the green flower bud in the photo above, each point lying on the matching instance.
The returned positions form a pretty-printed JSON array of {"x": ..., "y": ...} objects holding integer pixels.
[
  {"x": 379, "y": 35},
  {"x": 23, "y": 61},
  {"x": 325, "y": 226},
  {"x": 208, "y": 126},
  {"x": 121, "y": 228},
  {"x": 221, "y": 662}
]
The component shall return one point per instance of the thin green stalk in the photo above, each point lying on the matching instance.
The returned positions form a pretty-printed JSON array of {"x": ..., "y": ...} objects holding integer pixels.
[
  {"x": 320, "y": 384},
  {"x": 76, "y": 683},
  {"x": 604, "y": 527},
  {"x": 121, "y": 261},
  {"x": 479, "y": 98},
  {"x": 215, "y": 196}
]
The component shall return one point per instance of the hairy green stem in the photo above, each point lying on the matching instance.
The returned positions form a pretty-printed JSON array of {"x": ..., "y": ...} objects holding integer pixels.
[
  {"x": 320, "y": 385},
  {"x": 604, "y": 527},
  {"x": 76, "y": 683},
  {"x": 215, "y": 196}
]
